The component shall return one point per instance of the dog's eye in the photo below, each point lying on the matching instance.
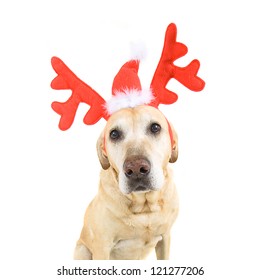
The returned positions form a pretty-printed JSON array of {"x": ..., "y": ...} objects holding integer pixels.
[
  {"x": 155, "y": 128},
  {"x": 115, "y": 134}
]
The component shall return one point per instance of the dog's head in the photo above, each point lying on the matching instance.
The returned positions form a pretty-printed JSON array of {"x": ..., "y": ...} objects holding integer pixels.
[{"x": 136, "y": 143}]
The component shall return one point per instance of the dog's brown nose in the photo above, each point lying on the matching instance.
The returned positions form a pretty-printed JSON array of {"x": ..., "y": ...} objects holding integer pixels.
[{"x": 136, "y": 167}]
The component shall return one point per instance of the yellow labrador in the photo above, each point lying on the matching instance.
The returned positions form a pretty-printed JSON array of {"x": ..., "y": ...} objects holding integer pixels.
[{"x": 136, "y": 203}]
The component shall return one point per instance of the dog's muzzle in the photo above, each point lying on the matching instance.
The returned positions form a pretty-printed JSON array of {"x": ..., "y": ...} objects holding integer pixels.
[{"x": 137, "y": 170}]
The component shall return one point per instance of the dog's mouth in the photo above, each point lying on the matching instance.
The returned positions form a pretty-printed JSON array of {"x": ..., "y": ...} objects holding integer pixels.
[
  {"x": 140, "y": 185},
  {"x": 141, "y": 189}
]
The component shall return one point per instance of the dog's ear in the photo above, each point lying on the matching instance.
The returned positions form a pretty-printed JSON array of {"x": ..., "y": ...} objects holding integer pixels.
[
  {"x": 101, "y": 152},
  {"x": 175, "y": 150}
]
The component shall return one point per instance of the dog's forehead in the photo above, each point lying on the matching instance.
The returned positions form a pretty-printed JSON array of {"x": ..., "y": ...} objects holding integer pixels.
[{"x": 142, "y": 115}]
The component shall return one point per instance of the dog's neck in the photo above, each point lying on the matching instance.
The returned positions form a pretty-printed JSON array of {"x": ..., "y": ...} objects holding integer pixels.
[{"x": 145, "y": 202}]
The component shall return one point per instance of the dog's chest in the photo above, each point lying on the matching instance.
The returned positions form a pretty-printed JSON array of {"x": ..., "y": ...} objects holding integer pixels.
[
  {"x": 145, "y": 224},
  {"x": 149, "y": 219},
  {"x": 147, "y": 216},
  {"x": 142, "y": 233}
]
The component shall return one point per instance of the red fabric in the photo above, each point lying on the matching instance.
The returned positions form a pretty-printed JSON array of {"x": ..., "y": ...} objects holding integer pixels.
[
  {"x": 81, "y": 92},
  {"x": 166, "y": 70},
  {"x": 127, "y": 77},
  {"x": 170, "y": 133}
]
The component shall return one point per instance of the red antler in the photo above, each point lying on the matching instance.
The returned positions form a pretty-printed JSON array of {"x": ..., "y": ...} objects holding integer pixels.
[
  {"x": 166, "y": 70},
  {"x": 81, "y": 92}
]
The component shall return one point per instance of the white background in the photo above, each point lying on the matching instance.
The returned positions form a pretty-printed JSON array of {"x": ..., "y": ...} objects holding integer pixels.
[{"x": 48, "y": 177}]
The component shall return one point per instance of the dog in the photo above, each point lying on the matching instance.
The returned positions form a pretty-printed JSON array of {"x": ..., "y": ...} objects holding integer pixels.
[{"x": 137, "y": 203}]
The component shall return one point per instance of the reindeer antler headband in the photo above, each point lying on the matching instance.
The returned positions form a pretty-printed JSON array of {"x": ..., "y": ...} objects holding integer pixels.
[{"x": 126, "y": 89}]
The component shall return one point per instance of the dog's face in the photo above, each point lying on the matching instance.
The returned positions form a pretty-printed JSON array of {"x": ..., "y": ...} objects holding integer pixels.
[{"x": 136, "y": 144}]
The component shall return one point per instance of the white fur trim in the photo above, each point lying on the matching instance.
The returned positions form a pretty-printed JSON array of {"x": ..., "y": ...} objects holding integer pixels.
[
  {"x": 129, "y": 98},
  {"x": 137, "y": 50}
]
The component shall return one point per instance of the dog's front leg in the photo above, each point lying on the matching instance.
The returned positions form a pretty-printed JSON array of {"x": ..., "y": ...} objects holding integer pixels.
[
  {"x": 101, "y": 253},
  {"x": 162, "y": 248}
]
